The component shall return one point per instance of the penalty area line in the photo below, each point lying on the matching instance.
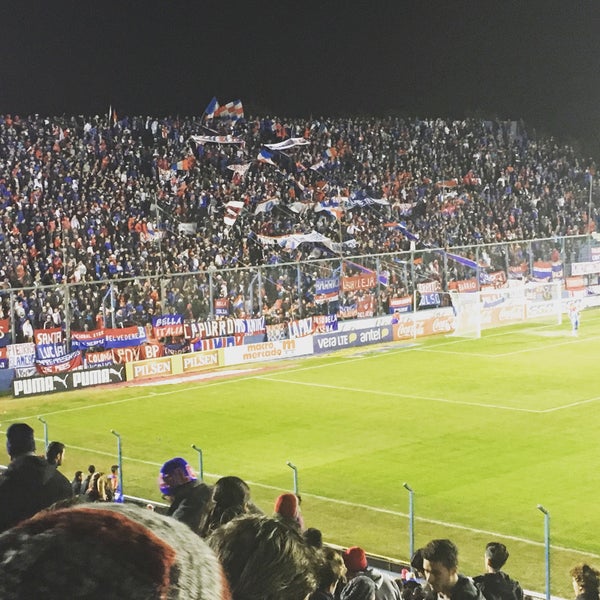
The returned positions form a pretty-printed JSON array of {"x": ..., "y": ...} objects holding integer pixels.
[{"x": 397, "y": 395}]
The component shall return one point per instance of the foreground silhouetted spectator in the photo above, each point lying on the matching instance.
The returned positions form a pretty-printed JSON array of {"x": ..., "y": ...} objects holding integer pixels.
[
  {"x": 230, "y": 499},
  {"x": 314, "y": 537},
  {"x": 103, "y": 551},
  {"x": 29, "y": 484},
  {"x": 188, "y": 497},
  {"x": 586, "y": 582},
  {"x": 360, "y": 587},
  {"x": 440, "y": 565},
  {"x": 495, "y": 584},
  {"x": 265, "y": 559},
  {"x": 356, "y": 562},
  {"x": 330, "y": 574}
]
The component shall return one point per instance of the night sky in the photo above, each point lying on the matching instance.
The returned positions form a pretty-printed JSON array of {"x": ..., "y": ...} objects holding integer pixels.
[{"x": 535, "y": 60}]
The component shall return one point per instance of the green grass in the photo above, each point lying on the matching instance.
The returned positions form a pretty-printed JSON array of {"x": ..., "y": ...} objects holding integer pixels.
[{"x": 483, "y": 431}]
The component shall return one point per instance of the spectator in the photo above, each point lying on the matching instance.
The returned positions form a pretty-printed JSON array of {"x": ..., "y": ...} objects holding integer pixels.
[
  {"x": 360, "y": 587},
  {"x": 107, "y": 551},
  {"x": 114, "y": 481},
  {"x": 356, "y": 562},
  {"x": 287, "y": 508},
  {"x": 29, "y": 484},
  {"x": 586, "y": 582},
  {"x": 313, "y": 537},
  {"x": 440, "y": 565},
  {"x": 55, "y": 453},
  {"x": 230, "y": 499},
  {"x": 265, "y": 559},
  {"x": 86, "y": 482},
  {"x": 330, "y": 574},
  {"x": 188, "y": 497},
  {"x": 99, "y": 488},
  {"x": 77, "y": 483},
  {"x": 495, "y": 584}
]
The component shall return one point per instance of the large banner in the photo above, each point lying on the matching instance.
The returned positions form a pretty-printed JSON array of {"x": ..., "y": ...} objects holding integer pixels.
[
  {"x": 214, "y": 343},
  {"x": 325, "y": 323},
  {"x": 167, "y": 326},
  {"x": 125, "y": 337},
  {"x": 49, "y": 343},
  {"x": 59, "y": 364},
  {"x": 83, "y": 340},
  {"x": 224, "y": 327},
  {"x": 327, "y": 290},
  {"x": 300, "y": 328},
  {"x": 401, "y": 304},
  {"x": 21, "y": 356},
  {"x": 359, "y": 282}
]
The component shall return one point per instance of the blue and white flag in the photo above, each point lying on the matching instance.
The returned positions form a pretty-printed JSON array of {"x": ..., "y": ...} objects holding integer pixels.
[
  {"x": 213, "y": 106},
  {"x": 266, "y": 156}
]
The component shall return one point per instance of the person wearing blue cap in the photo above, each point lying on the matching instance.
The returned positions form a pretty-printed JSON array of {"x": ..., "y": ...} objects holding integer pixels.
[{"x": 188, "y": 497}]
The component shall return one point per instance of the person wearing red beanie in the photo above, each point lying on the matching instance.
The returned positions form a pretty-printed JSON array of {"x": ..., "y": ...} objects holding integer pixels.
[
  {"x": 357, "y": 564},
  {"x": 287, "y": 507}
]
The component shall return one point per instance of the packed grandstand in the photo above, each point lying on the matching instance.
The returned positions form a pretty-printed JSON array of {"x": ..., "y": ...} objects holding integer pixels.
[
  {"x": 127, "y": 238},
  {"x": 136, "y": 247}
]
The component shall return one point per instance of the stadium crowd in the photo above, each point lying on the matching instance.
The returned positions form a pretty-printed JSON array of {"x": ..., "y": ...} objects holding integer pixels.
[
  {"x": 100, "y": 199},
  {"x": 58, "y": 540}
]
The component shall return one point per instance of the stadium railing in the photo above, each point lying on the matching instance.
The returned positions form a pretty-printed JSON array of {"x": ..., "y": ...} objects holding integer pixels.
[{"x": 350, "y": 286}]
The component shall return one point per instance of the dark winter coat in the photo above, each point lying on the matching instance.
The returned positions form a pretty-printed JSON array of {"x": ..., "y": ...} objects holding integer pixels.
[
  {"x": 29, "y": 485},
  {"x": 498, "y": 586}
]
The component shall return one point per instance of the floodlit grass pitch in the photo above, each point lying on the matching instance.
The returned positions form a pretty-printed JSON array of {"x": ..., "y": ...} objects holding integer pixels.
[{"x": 483, "y": 430}]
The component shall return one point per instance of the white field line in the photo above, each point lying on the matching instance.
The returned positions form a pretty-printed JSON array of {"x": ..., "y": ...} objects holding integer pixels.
[
  {"x": 374, "y": 509},
  {"x": 396, "y": 394},
  {"x": 571, "y": 405}
]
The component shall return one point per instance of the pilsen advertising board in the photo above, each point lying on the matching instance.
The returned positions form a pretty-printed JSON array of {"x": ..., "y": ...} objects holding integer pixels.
[
  {"x": 73, "y": 380},
  {"x": 177, "y": 364}
]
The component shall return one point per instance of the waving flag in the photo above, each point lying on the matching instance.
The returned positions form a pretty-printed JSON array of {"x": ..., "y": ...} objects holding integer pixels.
[
  {"x": 184, "y": 165},
  {"x": 212, "y": 107},
  {"x": 289, "y": 143},
  {"x": 266, "y": 205},
  {"x": 232, "y": 211},
  {"x": 217, "y": 139},
  {"x": 361, "y": 199},
  {"x": 240, "y": 170},
  {"x": 266, "y": 156},
  {"x": 232, "y": 110}
]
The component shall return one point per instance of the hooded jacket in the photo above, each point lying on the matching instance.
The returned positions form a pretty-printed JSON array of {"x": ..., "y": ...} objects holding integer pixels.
[
  {"x": 498, "y": 586},
  {"x": 29, "y": 485},
  {"x": 189, "y": 503},
  {"x": 385, "y": 587}
]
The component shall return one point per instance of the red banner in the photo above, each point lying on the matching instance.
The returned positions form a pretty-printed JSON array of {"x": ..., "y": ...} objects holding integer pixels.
[{"x": 359, "y": 282}]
